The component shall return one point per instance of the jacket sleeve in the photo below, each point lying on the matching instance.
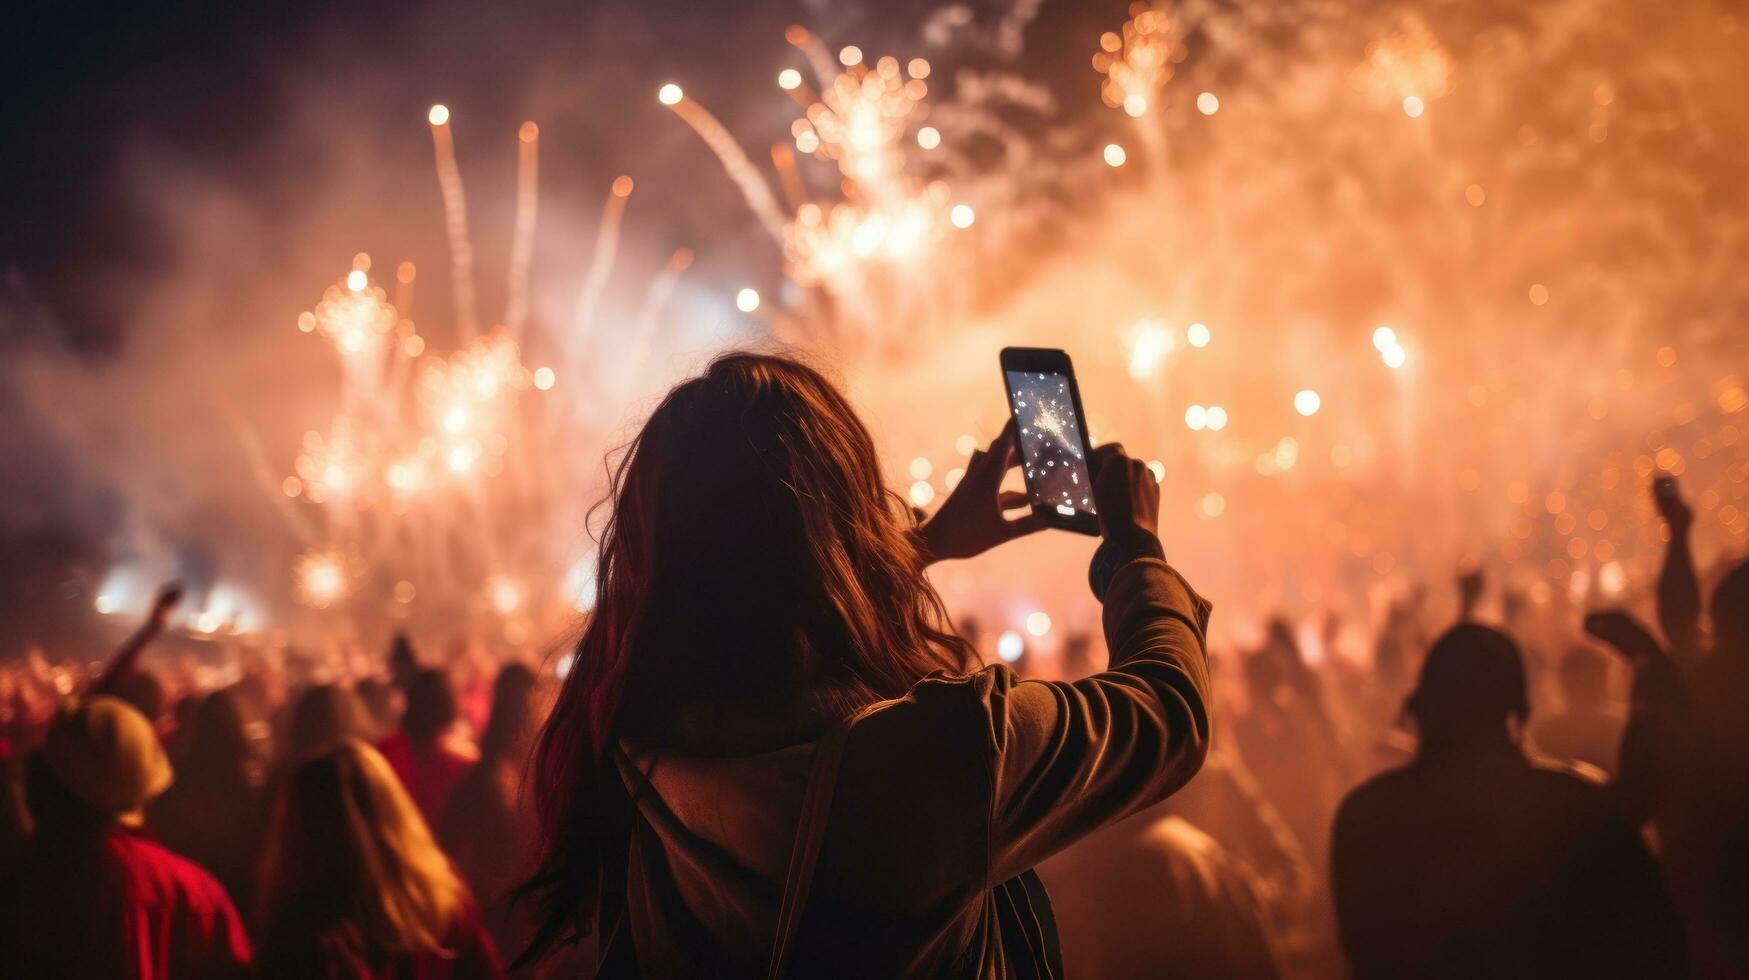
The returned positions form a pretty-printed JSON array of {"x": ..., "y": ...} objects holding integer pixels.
[{"x": 1069, "y": 758}]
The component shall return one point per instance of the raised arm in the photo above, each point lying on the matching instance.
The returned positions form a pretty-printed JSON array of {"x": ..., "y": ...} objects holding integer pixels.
[
  {"x": 1658, "y": 718},
  {"x": 126, "y": 659},
  {"x": 1072, "y": 757},
  {"x": 1678, "y": 585}
]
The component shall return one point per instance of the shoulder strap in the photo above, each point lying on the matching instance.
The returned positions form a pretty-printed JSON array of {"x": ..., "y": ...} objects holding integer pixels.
[{"x": 810, "y": 830}]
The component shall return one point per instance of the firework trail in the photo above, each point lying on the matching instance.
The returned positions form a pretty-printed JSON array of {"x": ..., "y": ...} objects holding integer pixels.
[
  {"x": 455, "y": 215},
  {"x": 606, "y": 250},
  {"x": 740, "y": 169},
  {"x": 522, "y": 239}
]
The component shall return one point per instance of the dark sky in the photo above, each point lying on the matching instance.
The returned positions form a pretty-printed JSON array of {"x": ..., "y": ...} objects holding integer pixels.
[{"x": 85, "y": 84}]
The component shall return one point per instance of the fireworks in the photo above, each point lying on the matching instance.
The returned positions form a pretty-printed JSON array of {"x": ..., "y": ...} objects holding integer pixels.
[
  {"x": 1047, "y": 421},
  {"x": 353, "y": 315},
  {"x": 1139, "y": 62},
  {"x": 321, "y": 578},
  {"x": 1315, "y": 189}
]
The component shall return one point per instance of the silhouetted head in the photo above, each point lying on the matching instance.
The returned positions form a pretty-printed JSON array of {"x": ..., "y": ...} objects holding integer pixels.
[
  {"x": 1730, "y": 612},
  {"x": 1471, "y": 683},
  {"x": 218, "y": 739},
  {"x": 511, "y": 726},
  {"x": 403, "y": 662},
  {"x": 347, "y": 848},
  {"x": 1584, "y": 676},
  {"x": 755, "y": 569},
  {"x": 324, "y": 716},
  {"x": 431, "y": 707},
  {"x": 100, "y": 762}
]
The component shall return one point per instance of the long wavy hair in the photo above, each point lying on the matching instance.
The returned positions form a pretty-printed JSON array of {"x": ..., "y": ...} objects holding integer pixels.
[
  {"x": 755, "y": 573},
  {"x": 347, "y": 851}
]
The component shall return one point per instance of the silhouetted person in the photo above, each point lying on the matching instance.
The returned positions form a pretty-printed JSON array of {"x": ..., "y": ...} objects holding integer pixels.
[
  {"x": 1471, "y": 862},
  {"x": 94, "y": 897},
  {"x": 1155, "y": 895},
  {"x": 753, "y": 676},
  {"x": 212, "y": 813},
  {"x": 353, "y": 886},
  {"x": 424, "y": 753},
  {"x": 321, "y": 718},
  {"x": 488, "y": 826},
  {"x": 1588, "y": 728},
  {"x": 1708, "y": 831},
  {"x": 1287, "y": 739},
  {"x": 403, "y": 662}
]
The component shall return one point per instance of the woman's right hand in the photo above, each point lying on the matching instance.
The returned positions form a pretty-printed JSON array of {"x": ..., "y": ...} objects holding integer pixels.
[{"x": 1125, "y": 494}]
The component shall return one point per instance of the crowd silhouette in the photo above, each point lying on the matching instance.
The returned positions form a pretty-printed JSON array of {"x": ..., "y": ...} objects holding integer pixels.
[{"x": 773, "y": 754}]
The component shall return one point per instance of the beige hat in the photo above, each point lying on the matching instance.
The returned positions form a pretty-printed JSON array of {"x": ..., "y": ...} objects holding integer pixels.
[{"x": 106, "y": 753}]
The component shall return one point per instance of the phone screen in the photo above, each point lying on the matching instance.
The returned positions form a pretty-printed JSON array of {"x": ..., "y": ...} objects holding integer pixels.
[{"x": 1051, "y": 441}]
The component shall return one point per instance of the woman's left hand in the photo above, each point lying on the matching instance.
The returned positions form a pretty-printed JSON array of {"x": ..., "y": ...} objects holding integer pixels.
[{"x": 970, "y": 521}]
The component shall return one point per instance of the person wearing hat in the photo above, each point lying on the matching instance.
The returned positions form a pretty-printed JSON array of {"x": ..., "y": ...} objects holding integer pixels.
[
  {"x": 1472, "y": 861},
  {"x": 93, "y": 896}
]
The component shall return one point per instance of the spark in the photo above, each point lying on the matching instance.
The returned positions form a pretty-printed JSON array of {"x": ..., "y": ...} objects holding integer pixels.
[
  {"x": 670, "y": 94},
  {"x": 506, "y": 596},
  {"x": 1208, "y": 104},
  {"x": 789, "y": 79},
  {"x": 1198, "y": 335},
  {"x": 1010, "y": 645},
  {"x": 929, "y": 137},
  {"x": 1307, "y": 402},
  {"x": 321, "y": 578},
  {"x": 1149, "y": 342},
  {"x": 747, "y": 300},
  {"x": 1038, "y": 623},
  {"x": 1115, "y": 155},
  {"x": 962, "y": 216}
]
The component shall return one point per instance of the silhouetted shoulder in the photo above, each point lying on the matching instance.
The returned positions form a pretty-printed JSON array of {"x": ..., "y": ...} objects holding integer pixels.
[
  {"x": 1379, "y": 791},
  {"x": 943, "y": 721}
]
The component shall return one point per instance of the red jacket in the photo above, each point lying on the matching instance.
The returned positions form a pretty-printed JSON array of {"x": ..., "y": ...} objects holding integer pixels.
[
  {"x": 429, "y": 773},
  {"x": 116, "y": 904}
]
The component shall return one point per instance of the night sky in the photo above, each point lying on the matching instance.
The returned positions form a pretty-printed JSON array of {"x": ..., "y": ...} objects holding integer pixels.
[
  {"x": 89, "y": 88},
  {"x": 114, "y": 117}
]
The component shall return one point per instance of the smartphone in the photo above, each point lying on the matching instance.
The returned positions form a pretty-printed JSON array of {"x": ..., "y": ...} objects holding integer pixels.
[{"x": 1046, "y": 404}]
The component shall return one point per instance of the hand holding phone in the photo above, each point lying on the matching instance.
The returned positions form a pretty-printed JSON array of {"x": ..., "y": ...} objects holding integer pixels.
[
  {"x": 1126, "y": 493},
  {"x": 1052, "y": 437},
  {"x": 971, "y": 520}
]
